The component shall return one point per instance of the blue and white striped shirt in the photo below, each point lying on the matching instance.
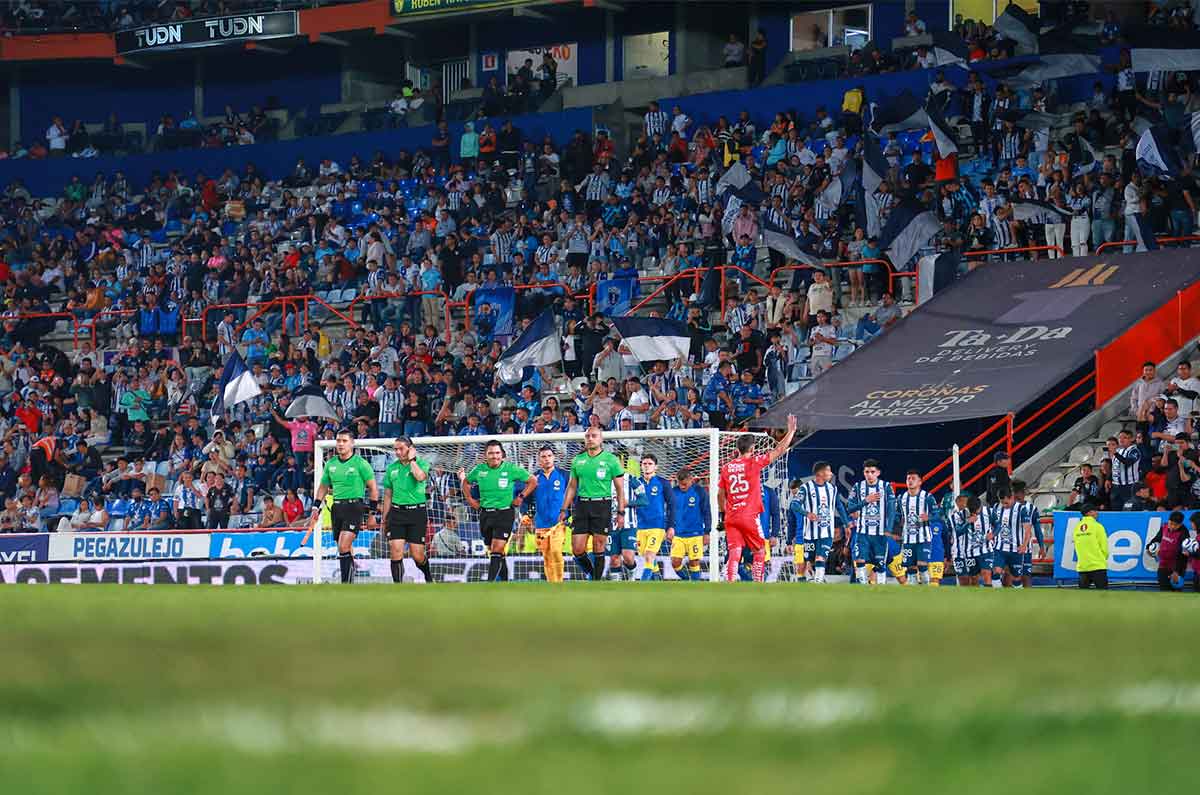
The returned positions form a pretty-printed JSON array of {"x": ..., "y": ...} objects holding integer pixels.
[
  {"x": 1010, "y": 526},
  {"x": 911, "y": 508},
  {"x": 822, "y": 500}
]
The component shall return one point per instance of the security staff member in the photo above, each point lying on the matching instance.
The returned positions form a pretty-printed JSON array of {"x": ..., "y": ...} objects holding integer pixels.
[
  {"x": 404, "y": 514},
  {"x": 1091, "y": 550},
  {"x": 998, "y": 479},
  {"x": 350, "y": 478}
]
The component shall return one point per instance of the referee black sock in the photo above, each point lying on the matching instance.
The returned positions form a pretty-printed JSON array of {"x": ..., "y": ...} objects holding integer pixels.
[
  {"x": 423, "y": 567},
  {"x": 346, "y": 562},
  {"x": 599, "y": 565},
  {"x": 494, "y": 565},
  {"x": 584, "y": 562},
  {"x": 397, "y": 571}
]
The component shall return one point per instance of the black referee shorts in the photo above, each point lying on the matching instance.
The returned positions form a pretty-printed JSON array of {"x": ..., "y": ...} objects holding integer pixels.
[
  {"x": 346, "y": 516},
  {"x": 407, "y": 523},
  {"x": 496, "y": 523},
  {"x": 592, "y": 517}
]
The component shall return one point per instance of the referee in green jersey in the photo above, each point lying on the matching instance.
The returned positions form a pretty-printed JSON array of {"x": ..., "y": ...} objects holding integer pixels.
[
  {"x": 350, "y": 478},
  {"x": 404, "y": 513},
  {"x": 496, "y": 478},
  {"x": 593, "y": 474}
]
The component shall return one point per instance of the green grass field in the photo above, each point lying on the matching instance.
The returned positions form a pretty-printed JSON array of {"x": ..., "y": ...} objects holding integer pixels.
[{"x": 647, "y": 687}]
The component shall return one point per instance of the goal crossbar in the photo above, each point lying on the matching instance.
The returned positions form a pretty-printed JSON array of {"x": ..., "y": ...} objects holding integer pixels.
[{"x": 711, "y": 466}]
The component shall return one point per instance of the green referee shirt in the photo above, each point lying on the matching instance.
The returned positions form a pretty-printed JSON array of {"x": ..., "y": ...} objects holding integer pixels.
[
  {"x": 348, "y": 478},
  {"x": 496, "y": 485},
  {"x": 406, "y": 490},
  {"x": 595, "y": 473}
]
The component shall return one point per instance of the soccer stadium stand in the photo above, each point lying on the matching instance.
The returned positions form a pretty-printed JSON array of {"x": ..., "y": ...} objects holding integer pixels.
[{"x": 386, "y": 257}]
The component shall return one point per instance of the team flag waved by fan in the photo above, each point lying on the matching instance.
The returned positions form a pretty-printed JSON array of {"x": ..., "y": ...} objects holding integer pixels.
[
  {"x": 652, "y": 338},
  {"x": 908, "y": 229},
  {"x": 237, "y": 385},
  {"x": 538, "y": 345},
  {"x": 1155, "y": 155}
]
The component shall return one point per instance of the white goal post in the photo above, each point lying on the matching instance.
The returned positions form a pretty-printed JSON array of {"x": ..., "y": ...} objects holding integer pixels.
[{"x": 703, "y": 451}]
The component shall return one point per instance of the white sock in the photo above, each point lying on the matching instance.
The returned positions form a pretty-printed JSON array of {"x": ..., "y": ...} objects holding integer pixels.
[
  {"x": 912, "y": 578},
  {"x": 881, "y": 576},
  {"x": 924, "y": 576},
  {"x": 860, "y": 573},
  {"x": 997, "y": 582},
  {"x": 1018, "y": 584},
  {"x": 819, "y": 572}
]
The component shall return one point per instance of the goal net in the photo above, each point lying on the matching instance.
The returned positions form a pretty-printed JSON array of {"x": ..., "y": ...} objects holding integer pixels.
[{"x": 456, "y": 549}]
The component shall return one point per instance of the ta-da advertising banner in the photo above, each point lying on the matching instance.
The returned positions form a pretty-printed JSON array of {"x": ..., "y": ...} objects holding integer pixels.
[
  {"x": 567, "y": 56},
  {"x": 128, "y": 546},
  {"x": 224, "y": 546},
  {"x": 1128, "y": 533}
]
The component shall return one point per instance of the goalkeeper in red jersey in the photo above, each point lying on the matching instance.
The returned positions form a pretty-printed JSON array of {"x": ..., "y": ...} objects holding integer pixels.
[{"x": 740, "y": 500}]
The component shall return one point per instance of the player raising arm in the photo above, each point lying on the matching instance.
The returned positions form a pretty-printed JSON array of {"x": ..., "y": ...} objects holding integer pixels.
[
  {"x": 739, "y": 497},
  {"x": 405, "y": 517},
  {"x": 495, "y": 478},
  {"x": 349, "y": 478},
  {"x": 594, "y": 472}
]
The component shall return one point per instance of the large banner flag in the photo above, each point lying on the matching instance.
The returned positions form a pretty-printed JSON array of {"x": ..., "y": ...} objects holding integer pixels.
[
  {"x": 908, "y": 229},
  {"x": 237, "y": 385},
  {"x": 651, "y": 338},
  {"x": 778, "y": 239},
  {"x": 502, "y": 300},
  {"x": 1154, "y": 48},
  {"x": 991, "y": 343},
  {"x": 875, "y": 171},
  {"x": 949, "y": 49},
  {"x": 614, "y": 297},
  {"x": 1019, "y": 25},
  {"x": 539, "y": 344}
]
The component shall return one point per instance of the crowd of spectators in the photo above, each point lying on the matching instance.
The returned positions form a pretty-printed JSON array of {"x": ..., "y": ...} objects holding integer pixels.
[{"x": 406, "y": 232}]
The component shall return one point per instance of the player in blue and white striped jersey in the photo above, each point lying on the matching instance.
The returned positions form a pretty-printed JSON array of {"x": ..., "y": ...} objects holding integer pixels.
[
  {"x": 823, "y": 509},
  {"x": 978, "y": 543},
  {"x": 955, "y": 511},
  {"x": 914, "y": 508},
  {"x": 1035, "y": 521},
  {"x": 1014, "y": 534},
  {"x": 872, "y": 506}
]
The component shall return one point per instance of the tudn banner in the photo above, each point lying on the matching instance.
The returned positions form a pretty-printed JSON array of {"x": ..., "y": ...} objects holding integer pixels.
[
  {"x": 990, "y": 343},
  {"x": 207, "y": 32}
]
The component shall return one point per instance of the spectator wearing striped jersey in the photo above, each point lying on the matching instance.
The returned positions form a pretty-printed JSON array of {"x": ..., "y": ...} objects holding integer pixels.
[{"x": 1126, "y": 468}]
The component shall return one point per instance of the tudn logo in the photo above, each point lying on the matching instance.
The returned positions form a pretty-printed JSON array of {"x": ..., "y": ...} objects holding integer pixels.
[{"x": 1057, "y": 302}]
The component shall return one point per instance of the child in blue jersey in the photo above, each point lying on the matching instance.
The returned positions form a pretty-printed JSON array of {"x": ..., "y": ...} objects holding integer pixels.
[
  {"x": 547, "y": 502},
  {"x": 691, "y": 516},
  {"x": 653, "y": 507},
  {"x": 1035, "y": 519},
  {"x": 872, "y": 504},
  {"x": 747, "y": 397}
]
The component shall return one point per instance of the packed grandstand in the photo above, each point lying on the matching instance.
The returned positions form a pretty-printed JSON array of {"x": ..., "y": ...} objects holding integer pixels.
[{"x": 384, "y": 257}]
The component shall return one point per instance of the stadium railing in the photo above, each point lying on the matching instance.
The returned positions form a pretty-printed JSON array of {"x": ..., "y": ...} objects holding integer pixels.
[{"x": 1160, "y": 240}]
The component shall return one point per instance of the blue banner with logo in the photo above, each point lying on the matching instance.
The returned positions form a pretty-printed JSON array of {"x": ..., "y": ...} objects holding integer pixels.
[
  {"x": 500, "y": 301},
  {"x": 614, "y": 297},
  {"x": 1128, "y": 533},
  {"x": 24, "y": 548},
  {"x": 281, "y": 545}
]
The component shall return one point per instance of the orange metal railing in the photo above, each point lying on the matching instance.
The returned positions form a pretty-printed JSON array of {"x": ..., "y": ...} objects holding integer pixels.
[{"x": 1160, "y": 240}]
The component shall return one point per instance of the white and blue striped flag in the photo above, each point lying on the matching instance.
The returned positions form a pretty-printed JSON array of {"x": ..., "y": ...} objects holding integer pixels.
[
  {"x": 538, "y": 345},
  {"x": 237, "y": 385},
  {"x": 653, "y": 338}
]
